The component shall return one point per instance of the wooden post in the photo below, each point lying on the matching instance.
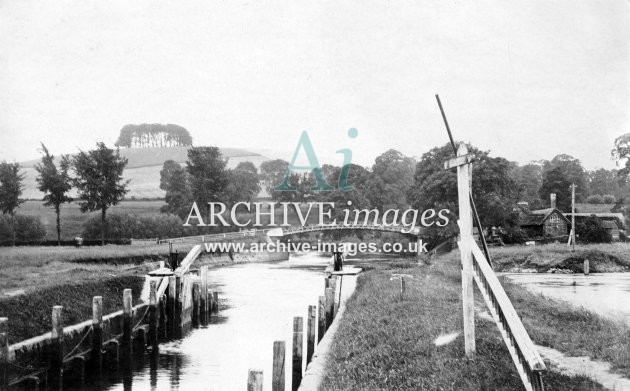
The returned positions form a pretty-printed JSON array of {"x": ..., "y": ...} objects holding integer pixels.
[
  {"x": 153, "y": 314},
  {"x": 178, "y": 307},
  {"x": 335, "y": 288},
  {"x": 402, "y": 287},
  {"x": 4, "y": 353},
  {"x": 196, "y": 293},
  {"x": 330, "y": 298},
  {"x": 162, "y": 321},
  {"x": 78, "y": 371},
  {"x": 586, "y": 267},
  {"x": 96, "y": 355},
  {"x": 127, "y": 324},
  {"x": 55, "y": 374},
  {"x": 298, "y": 335},
  {"x": 464, "y": 170},
  {"x": 310, "y": 333},
  {"x": 339, "y": 288},
  {"x": 215, "y": 302},
  {"x": 321, "y": 312},
  {"x": 170, "y": 305},
  {"x": 204, "y": 294},
  {"x": 255, "y": 380},
  {"x": 279, "y": 354}
]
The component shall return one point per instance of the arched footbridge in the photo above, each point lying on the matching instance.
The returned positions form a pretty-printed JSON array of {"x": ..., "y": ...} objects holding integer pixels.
[{"x": 287, "y": 231}]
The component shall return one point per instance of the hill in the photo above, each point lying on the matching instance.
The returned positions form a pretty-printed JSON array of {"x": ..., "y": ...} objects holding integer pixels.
[{"x": 143, "y": 169}]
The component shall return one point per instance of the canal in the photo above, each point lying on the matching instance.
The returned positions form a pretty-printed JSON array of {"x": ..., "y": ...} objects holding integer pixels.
[
  {"x": 607, "y": 294},
  {"x": 258, "y": 302}
]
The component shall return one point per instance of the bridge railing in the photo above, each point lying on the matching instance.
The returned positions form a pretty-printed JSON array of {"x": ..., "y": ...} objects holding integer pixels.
[
  {"x": 211, "y": 237},
  {"x": 528, "y": 362}
]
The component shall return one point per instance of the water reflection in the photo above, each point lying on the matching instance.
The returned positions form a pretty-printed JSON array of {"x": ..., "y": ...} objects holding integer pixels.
[
  {"x": 605, "y": 293},
  {"x": 258, "y": 303}
]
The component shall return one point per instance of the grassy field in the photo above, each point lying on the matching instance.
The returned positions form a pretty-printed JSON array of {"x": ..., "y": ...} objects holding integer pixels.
[
  {"x": 613, "y": 257},
  {"x": 387, "y": 343},
  {"x": 72, "y": 219},
  {"x": 29, "y": 268}
]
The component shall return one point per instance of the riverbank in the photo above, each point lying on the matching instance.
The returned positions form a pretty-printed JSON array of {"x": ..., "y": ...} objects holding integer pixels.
[
  {"x": 33, "y": 279},
  {"x": 384, "y": 342},
  {"x": 23, "y": 269},
  {"x": 557, "y": 257}
]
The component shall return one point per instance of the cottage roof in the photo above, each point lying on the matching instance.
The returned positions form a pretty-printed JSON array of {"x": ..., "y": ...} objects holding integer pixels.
[{"x": 538, "y": 216}]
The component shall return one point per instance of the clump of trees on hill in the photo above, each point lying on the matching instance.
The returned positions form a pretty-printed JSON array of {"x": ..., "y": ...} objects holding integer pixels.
[{"x": 153, "y": 135}]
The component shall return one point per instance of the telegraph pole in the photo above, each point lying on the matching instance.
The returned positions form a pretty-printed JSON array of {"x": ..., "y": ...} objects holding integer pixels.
[{"x": 573, "y": 215}]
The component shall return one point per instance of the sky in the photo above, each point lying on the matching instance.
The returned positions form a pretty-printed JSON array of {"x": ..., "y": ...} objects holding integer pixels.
[{"x": 524, "y": 80}]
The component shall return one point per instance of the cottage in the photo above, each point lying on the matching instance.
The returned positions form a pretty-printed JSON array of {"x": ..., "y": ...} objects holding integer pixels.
[{"x": 548, "y": 222}]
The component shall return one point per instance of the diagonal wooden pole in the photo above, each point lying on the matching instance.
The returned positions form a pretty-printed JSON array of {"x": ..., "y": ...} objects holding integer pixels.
[{"x": 476, "y": 220}]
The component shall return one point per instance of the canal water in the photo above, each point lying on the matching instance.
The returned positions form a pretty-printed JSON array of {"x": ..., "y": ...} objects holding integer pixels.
[
  {"x": 258, "y": 302},
  {"x": 607, "y": 294}
]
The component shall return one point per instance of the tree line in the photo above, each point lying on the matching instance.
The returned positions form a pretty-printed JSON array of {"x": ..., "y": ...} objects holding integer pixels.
[
  {"x": 394, "y": 181},
  {"x": 153, "y": 136},
  {"x": 97, "y": 178}
]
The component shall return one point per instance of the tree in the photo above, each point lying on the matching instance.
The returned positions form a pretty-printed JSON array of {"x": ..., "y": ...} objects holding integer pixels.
[
  {"x": 10, "y": 190},
  {"x": 54, "y": 183},
  {"x": 243, "y": 184},
  {"x": 528, "y": 180},
  {"x": 208, "y": 175},
  {"x": 604, "y": 181},
  {"x": 571, "y": 168},
  {"x": 174, "y": 181},
  {"x": 99, "y": 180},
  {"x": 494, "y": 191},
  {"x": 272, "y": 173},
  {"x": 554, "y": 181},
  {"x": 621, "y": 153},
  {"x": 390, "y": 180}
]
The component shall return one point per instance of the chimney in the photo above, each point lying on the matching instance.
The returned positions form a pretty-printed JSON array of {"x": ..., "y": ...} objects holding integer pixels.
[{"x": 553, "y": 200}]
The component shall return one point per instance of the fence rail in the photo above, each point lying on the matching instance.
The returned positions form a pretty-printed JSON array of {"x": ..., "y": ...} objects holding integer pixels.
[{"x": 528, "y": 362}]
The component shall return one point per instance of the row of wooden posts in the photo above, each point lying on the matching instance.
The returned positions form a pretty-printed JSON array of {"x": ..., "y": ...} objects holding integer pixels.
[
  {"x": 319, "y": 319},
  {"x": 168, "y": 314}
]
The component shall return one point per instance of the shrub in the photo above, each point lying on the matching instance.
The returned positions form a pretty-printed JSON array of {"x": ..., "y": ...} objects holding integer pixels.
[
  {"x": 27, "y": 229},
  {"x": 126, "y": 225},
  {"x": 513, "y": 235},
  {"x": 592, "y": 231},
  {"x": 609, "y": 199},
  {"x": 595, "y": 199}
]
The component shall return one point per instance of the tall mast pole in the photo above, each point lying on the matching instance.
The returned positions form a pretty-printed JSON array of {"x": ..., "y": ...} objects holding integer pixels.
[{"x": 573, "y": 215}]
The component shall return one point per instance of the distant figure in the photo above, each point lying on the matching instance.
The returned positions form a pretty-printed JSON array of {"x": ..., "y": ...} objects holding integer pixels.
[
  {"x": 78, "y": 241},
  {"x": 338, "y": 266}
]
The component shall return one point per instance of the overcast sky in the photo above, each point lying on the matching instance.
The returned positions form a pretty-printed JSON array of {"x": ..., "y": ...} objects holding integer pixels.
[{"x": 527, "y": 82}]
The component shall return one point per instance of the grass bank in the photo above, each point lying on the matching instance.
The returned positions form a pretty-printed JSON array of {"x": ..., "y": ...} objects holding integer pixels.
[
  {"x": 23, "y": 269},
  {"x": 30, "y": 315},
  {"x": 387, "y": 343},
  {"x": 613, "y": 257}
]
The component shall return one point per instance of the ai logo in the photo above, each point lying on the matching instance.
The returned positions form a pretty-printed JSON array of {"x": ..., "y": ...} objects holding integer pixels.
[{"x": 305, "y": 143}]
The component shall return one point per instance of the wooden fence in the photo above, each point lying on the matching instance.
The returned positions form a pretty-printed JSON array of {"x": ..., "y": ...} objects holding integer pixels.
[{"x": 68, "y": 355}]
